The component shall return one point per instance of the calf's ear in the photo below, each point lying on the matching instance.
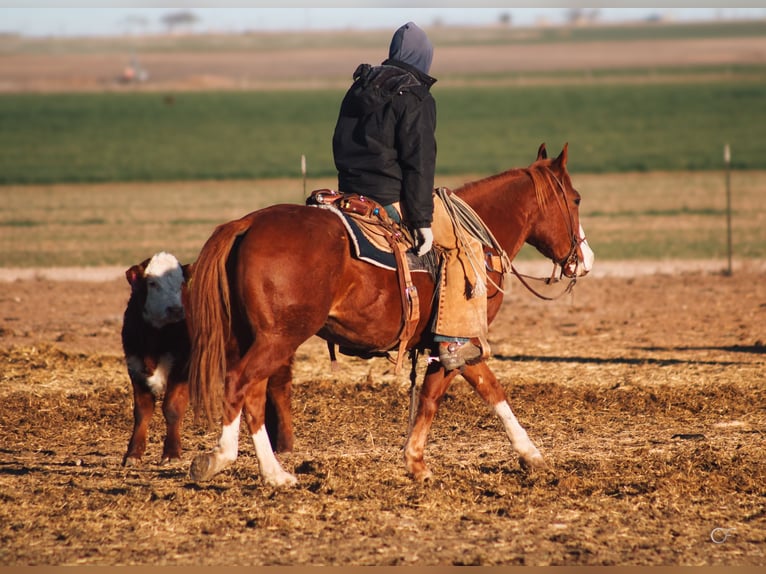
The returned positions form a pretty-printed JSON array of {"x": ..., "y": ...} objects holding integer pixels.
[
  {"x": 136, "y": 272},
  {"x": 133, "y": 274}
]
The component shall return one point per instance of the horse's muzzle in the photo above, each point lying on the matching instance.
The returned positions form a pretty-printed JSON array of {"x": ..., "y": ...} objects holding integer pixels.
[{"x": 580, "y": 261}]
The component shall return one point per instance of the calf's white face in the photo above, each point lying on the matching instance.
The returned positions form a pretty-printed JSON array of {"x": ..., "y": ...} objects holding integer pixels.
[{"x": 164, "y": 278}]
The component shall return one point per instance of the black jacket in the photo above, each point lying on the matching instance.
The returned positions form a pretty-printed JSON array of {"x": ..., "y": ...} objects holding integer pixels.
[{"x": 384, "y": 142}]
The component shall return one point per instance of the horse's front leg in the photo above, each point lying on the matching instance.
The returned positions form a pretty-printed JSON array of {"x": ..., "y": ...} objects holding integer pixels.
[
  {"x": 483, "y": 380},
  {"x": 206, "y": 466},
  {"x": 435, "y": 384},
  {"x": 255, "y": 410}
]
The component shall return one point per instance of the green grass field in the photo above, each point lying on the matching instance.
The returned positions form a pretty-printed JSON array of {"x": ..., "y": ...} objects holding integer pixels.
[
  {"x": 110, "y": 178},
  {"x": 48, "y": 138}
]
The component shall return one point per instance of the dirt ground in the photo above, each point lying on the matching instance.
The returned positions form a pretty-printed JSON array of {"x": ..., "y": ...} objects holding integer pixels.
[
  {"x": 332, "y": 67},
  {"x": 645, "y": 393}
]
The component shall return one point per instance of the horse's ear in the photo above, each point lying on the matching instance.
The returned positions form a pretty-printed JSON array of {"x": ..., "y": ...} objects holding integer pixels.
[
  {"x": 562, "y": 159},
  {"x": 542, "y": 153}
]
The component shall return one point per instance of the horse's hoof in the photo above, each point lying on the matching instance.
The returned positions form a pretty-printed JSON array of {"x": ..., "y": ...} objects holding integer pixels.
[
  {"x": 533, "y": 462},
  {"x": 424, "y": 476},
  {"x": 131, "y": 461},
  {"x": 202, "y": 468},
  {"x": 282, "y": 479},
  {"x": 420, "y": 472},
  {"x": 166, "y": 460}
]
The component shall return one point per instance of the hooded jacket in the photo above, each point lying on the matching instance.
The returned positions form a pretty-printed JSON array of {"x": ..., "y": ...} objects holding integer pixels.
[{"x": 384, "y": 142}]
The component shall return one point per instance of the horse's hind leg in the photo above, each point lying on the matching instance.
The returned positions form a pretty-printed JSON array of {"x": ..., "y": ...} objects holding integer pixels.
[
  {"x": 434, "y": 386},
  {"x": 483, "y": 380},
  {"x": 206, "y": 466},
  {"x": 255, "y": 405},
  {"x": 173, "y": 408},
  {"x": 279, "y": 421}
]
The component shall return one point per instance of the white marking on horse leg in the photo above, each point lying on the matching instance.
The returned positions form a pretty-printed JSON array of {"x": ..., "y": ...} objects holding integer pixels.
[
  {"x": 271, "y": 471},
  {"x": 206, "y": 466},
  {"x": 228, "y": 445},
  {"x": 518, "y": 436}
]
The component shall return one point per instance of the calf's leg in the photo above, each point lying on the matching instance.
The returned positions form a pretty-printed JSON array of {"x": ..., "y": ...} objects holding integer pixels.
[{"x": 143, "y": 408}]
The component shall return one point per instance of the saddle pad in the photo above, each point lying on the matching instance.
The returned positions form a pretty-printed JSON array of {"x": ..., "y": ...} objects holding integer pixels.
[{"x": 371, "y": 247}]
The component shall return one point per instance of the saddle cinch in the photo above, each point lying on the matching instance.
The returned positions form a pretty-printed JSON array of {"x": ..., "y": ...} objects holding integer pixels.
[{"x": 379, "y": 240}]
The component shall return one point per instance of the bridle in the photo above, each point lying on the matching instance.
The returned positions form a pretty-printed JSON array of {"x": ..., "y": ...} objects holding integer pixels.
[{"x": 572, "y": 259}]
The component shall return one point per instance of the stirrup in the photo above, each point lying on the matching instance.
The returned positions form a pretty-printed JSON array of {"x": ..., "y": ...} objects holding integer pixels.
[{"x": 453, "y": 354}]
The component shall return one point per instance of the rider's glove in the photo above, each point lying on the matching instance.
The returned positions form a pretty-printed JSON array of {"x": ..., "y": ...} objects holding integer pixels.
[{"x": 424, "y": 240}]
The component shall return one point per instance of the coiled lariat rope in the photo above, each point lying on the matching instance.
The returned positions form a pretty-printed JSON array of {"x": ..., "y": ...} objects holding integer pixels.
[{"x": 469, "y": 222}]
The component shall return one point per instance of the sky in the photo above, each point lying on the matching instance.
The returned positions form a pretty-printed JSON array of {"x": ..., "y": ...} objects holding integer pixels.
[{"x": 137, "y": 20}]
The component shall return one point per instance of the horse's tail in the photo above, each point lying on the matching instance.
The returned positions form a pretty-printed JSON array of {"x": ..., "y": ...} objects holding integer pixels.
[{"x": 210, "y": 321}]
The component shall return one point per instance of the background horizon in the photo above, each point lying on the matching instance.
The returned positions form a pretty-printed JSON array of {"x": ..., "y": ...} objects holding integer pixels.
[{"x": 76, "y": 22}]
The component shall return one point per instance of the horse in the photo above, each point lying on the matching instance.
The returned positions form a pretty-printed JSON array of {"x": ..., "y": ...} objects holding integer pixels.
[{"x": 267, "y": 282}]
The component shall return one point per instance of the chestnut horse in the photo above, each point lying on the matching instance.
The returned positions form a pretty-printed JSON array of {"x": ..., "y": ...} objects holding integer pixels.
[{"x": 272, "y": 279}]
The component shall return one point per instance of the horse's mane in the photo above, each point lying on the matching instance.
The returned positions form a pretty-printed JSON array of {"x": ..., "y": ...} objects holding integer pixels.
[{"x": 540, "y": 173}]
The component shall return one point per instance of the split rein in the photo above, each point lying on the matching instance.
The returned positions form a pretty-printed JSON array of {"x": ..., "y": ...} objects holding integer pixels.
[{"x": 552, "y": 279}]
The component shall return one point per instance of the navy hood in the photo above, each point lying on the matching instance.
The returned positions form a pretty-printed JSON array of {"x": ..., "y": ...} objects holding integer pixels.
[{"x": 411, "y": 46}]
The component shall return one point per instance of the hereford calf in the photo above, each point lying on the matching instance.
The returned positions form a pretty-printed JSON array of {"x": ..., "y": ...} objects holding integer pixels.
[{"x": 156, "y": 344}]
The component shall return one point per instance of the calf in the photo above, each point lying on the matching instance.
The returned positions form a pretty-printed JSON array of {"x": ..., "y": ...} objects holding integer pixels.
[{"x": 156, "y": 345}]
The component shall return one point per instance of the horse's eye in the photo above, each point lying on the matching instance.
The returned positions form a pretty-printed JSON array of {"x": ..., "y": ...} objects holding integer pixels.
[{"x": 577, "y": 201}]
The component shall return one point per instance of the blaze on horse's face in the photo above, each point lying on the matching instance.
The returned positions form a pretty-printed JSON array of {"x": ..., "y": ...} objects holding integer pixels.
[{"x": 561, "y": 227}]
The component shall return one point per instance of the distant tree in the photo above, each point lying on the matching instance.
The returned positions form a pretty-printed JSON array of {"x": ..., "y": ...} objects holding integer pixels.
[
  {"x": 505, "y": 18},
  {"x": 182, "y": 19}
]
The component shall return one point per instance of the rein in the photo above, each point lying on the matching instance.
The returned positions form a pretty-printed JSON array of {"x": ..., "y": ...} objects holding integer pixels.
[{"x": 552, "y": 279}]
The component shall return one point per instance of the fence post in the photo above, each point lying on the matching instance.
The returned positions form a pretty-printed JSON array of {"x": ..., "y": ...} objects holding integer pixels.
[{"x": 727, "y": 161}]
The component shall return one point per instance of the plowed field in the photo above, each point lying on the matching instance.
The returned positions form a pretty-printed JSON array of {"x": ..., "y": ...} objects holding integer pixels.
[{"x": 645, "y": 394}]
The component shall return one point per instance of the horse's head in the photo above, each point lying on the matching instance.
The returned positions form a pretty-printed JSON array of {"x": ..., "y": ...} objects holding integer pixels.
[{"x": 557, "y": 232}]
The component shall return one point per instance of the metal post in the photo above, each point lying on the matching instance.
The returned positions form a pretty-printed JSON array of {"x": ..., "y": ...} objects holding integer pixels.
[{"x": 727, "y": 161}]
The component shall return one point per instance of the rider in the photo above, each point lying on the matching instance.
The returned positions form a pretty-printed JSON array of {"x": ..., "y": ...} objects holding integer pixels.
[{"x": 384, "y": 147}]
